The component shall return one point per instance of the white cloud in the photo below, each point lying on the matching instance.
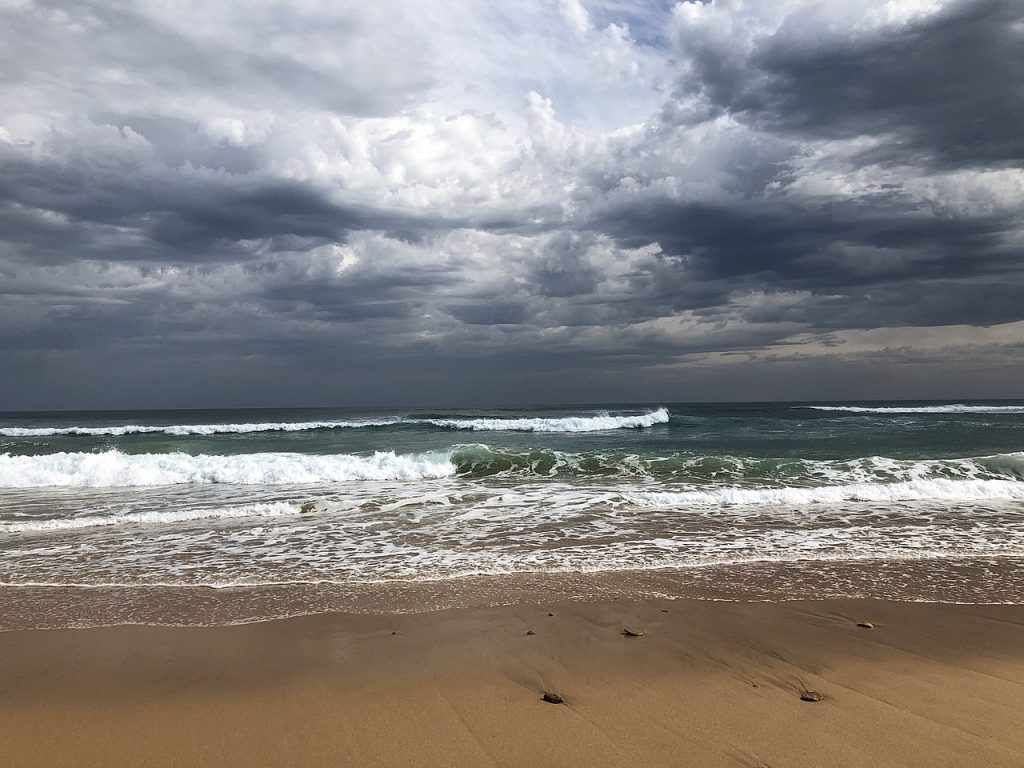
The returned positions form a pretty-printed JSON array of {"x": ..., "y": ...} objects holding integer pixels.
[
  {"x": 575, "y": 15},
  {"x": 527, "y": 176}
]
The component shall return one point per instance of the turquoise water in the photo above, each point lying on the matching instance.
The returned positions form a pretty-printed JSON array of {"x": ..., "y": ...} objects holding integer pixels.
[
  {"x": 747, "y": 429},
  {"x": 256, "y": 497}
]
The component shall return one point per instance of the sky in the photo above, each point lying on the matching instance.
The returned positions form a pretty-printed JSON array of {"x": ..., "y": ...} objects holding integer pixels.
[{"x": 215, "y": 204}]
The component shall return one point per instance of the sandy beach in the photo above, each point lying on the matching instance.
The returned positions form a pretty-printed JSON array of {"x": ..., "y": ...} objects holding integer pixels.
[{"x": 707, "y": 684}]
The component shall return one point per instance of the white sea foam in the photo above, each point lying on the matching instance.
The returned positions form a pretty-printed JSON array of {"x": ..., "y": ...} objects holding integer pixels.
[
  {"x": 956, "y": 408},
  {"x": 191, "y": 429},
  {"x": 480, "y": 460},
  {"x": 912, "y": 490},
  {"x": 274, "y": 509},
  {"x": 561, "y": 424},
  {"x": 113, "y": 468},
  {"x": 539, "y": 424}
]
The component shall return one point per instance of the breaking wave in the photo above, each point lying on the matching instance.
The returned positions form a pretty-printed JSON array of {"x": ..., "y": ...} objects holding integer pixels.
[
  {"x": 594, "y": 423},
  {"x": 483, "y": 460},
  {"x": 562, "y": 424},
  {"x": 191, "y": 429},
  {"x": 113, "y": 468},
  {"x": 956, "y": 408}
]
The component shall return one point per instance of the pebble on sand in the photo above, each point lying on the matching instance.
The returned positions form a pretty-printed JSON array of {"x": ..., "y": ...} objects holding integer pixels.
[
  {"x": 632, "y": 632},
  {"x": 810, "y": 696},
  {"x": 552, "y": 698},
  {"x": 530, "y": 632},
  {"x": 865, "y": 624}
]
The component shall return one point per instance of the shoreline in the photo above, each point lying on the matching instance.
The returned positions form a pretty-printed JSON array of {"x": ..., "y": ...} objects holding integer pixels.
[
  {"x": 952, "y": 581},
  {"x": 708, "y": 683}
]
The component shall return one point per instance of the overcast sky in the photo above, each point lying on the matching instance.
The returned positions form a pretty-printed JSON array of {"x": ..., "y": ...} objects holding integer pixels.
[{"x": 342, "y": 203}]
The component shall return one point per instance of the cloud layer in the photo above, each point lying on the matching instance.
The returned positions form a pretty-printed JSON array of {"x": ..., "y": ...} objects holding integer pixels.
[{"x": 270, "y": 203}]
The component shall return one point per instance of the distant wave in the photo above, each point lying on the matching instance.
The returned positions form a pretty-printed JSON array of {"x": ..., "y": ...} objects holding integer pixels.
[
  {"x": 192, "y": 429},
  {"x": 113, "y": 468},
  {"x": 275, "y": 509},
  {"x": 563, "y": 424},
  {"x": 957, "y": 408},
  {"x": 912, "y": 490}
]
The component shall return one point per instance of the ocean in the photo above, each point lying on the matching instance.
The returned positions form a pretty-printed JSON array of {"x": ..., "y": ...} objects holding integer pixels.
[{"x": 897, "y": 500}]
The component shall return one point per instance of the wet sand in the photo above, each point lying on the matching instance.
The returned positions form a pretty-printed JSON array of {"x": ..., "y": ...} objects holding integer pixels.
[{"x": 708, "y": 684}]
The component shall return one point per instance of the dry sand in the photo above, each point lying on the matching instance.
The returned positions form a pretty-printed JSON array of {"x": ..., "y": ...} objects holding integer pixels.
[{"x": 708, "y": 684}]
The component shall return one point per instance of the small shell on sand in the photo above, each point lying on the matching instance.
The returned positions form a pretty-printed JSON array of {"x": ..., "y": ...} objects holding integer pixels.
[
  {"x": 632, "y": 632},
  {"x": 865, "y": 624},
  {"x": 530, "y": 632},
  {"x": 810, "y": 696}
]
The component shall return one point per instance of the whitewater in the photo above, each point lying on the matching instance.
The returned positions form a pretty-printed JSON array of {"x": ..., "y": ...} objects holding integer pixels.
[
  {"x": 113, "y": 468},
  {"x": 595, "y": 423},
  {"x": 351, "y": 497}
]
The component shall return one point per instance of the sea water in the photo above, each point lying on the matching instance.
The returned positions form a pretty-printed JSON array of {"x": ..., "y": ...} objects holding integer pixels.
[{"x": 249, "y": 498}]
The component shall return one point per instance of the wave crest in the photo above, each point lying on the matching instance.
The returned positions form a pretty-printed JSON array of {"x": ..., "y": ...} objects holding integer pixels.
[
  {"x": 482, "y": 460},
  {"x": 533, "y": 424},
  {"x": 181, "y": 430},
  {"x": 955, "y": 408},
  {"x": 598, "y": 423},
  {"x": 113, "y": 468}
]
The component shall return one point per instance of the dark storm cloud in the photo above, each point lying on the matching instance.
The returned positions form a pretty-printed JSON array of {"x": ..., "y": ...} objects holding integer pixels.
[
  {"x": 946, "y": 87},
  {"x": 563, "y": 269},
  {"x": 939, "y": 91},
  {"x": 901, "y": 264},
  {"x": 793, "y": 242},
  {"x": 302, "y": 201},
  {"x": 361, "y": 296},
  {"x": 111, "y": 208}
]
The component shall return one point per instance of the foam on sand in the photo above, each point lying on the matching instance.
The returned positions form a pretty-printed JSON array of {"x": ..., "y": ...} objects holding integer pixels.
[
  {"x": 913, "y": 490},
  {"x": 274, "y": 509}
]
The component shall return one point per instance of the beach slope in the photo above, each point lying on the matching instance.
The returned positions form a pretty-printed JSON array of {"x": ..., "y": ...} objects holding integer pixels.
[{"x": 706, "y": 684}]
